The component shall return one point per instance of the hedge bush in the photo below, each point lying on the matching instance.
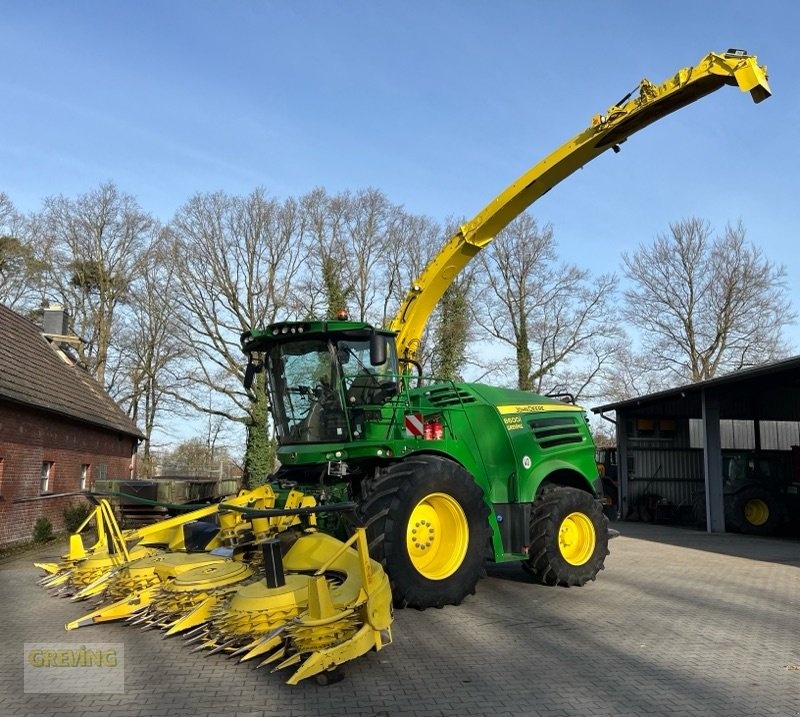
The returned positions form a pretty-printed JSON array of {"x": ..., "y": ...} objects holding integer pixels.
[
  {"x": 75, "y": 514},
  {"x": 42, "y": 530}
]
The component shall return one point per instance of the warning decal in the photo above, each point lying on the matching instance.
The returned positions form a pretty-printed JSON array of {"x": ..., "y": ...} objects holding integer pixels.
[{"x": 414, "y": 425}]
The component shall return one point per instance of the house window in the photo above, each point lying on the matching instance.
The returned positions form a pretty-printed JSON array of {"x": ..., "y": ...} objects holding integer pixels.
[
  {"x": 102, "y": 471},
  {"x": 84, "y": 476},
  {"x": 44, "y": 479}
]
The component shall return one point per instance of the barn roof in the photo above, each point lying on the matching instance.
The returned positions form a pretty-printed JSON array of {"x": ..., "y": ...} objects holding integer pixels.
[
  {"x": 34, "y": 374},
  {"x": 769, "y": 392}
]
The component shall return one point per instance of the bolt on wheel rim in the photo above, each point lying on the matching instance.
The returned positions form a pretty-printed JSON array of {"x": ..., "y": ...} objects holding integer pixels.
[
  {"x": 576, "y": 538},
  {"x": 438, "y": 536}
]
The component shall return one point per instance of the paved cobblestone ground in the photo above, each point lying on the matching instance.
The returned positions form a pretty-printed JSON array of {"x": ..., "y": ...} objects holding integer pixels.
[{"x": 680, "y": 623}]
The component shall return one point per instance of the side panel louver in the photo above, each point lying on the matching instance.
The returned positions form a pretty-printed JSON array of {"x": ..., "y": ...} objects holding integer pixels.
[
  {"x": 553, "y": 432},
  {"x": 446, "y": 396}
]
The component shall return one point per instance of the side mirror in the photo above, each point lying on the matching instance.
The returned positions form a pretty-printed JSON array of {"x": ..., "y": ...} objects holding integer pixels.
[
  {"x": 250, "y": 372},
  {"x": 377, "y": 350}
]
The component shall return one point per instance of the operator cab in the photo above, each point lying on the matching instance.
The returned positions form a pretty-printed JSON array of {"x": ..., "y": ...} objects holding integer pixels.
[{"x": 320, "y": 383}]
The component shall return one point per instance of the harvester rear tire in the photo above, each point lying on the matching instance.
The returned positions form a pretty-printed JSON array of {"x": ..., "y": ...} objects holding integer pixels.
[
  {"x": 568, "y": 538},
  {"x": 437, "y": 499}
]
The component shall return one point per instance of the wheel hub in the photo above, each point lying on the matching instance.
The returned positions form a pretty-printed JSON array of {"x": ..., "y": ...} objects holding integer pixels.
[
  {"x": 576, "y": 538},
  {"x": 438, "y": 536}
]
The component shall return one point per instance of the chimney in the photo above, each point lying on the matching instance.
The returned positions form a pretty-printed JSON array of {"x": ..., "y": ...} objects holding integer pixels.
[{"x": 54, "y": 321}]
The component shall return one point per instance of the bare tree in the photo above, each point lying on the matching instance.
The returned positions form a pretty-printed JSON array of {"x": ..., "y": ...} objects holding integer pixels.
[
  {"x": 94, "y": 248},
  {"x": 195, "y": 457},
  {"x": 238, "y": 261},
  {"x": 363, "y": 253},
  {"x": 369, "y": 219},
  {"x": 413, "y": 241},
  {"x": 8, "y": 213},
  {"x": 551, "y": 316},
  {"x": 703, "y": 305},
  {"x": 328, "y": 285},
  {"x": 594, "y": 371},
  {"x": 20, "y": 269},
  {"x": 154, "y": 353},
  {"x": 631, "y": 374},
  {"x": 604, "y": 433}
]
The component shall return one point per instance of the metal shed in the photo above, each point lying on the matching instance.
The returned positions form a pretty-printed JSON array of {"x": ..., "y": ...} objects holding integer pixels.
[{"x": 690, "y": 450}]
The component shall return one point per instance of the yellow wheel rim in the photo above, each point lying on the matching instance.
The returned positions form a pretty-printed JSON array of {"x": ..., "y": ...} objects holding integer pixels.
[
  {"x": 576, "y": 538},
  {"x": 437, "y": 536},
  {"x": 756, "y": 511}
]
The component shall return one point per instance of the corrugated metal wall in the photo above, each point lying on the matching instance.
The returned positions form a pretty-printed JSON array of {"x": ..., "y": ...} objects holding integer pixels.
[
  {"x": 740, "y": 434},
  {"x": 779, "y": 435},
  {"x": 667, "y": 463},
  {"x": 673, "y": 475}
]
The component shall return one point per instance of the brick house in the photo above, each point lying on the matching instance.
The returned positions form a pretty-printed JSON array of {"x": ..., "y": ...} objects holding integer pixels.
[{"x": 59, "y": 430}]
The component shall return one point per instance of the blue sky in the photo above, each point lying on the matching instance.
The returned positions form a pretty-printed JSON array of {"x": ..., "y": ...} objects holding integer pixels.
[{"x": 440, "y": 104}]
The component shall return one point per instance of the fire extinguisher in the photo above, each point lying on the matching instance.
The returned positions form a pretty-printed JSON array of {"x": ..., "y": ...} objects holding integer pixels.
[{"x": 434, "y": 430}]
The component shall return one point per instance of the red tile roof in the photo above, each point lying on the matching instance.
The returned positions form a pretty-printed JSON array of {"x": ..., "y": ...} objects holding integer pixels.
[{"x": 32, "y": 373}]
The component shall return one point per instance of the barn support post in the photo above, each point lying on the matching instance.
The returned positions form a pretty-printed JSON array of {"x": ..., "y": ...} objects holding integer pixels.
[
  {"x": 623, "y": 489},
  {"x": 712, "y": 462}
]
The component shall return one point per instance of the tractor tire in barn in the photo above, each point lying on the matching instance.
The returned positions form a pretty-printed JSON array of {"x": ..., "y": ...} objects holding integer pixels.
[{"x": 753, "y": 510}]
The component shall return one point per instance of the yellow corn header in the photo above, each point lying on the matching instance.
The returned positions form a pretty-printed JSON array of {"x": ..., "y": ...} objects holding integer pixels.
[{"x": 244, "y": 577}]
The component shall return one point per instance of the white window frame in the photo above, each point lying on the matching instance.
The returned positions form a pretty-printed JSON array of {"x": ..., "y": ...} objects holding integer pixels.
[{"x": 44, "y": 477}]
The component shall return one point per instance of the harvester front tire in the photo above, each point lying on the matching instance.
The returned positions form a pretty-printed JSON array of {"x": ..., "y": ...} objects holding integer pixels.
[
  {"x": 428, "y": 525},
  {"x": 568, "y": 538}
]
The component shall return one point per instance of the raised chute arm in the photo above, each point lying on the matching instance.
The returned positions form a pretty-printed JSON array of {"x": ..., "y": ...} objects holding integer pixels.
[{"x": 625, "y": 118}]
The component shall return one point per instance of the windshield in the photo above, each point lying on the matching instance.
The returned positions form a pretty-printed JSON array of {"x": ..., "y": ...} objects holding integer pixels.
[
  {"x": 305, "y": 401},
  {"x": 365, "y": 384},
  {"x": 309, "y": 379}
]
